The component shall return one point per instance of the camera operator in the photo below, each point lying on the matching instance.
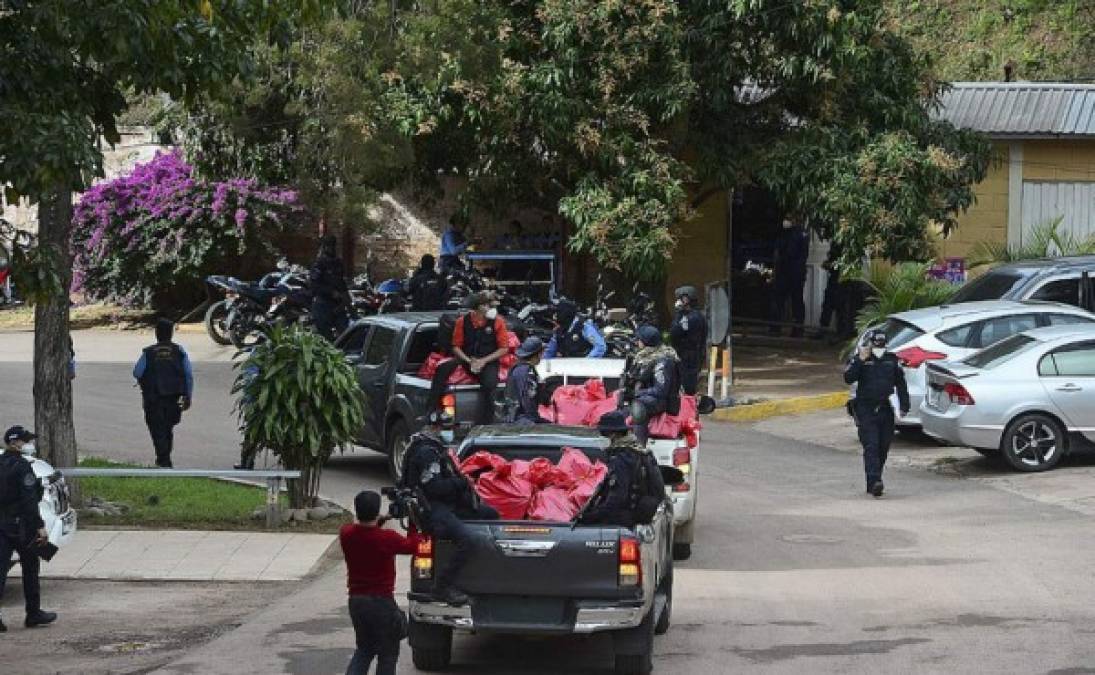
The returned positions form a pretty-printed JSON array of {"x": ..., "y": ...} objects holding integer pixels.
[
  {"x": 370, "y": 552},
  {"x": 450, "y": 496}
]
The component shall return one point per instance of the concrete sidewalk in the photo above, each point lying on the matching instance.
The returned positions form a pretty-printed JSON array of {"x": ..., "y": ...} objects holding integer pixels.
[{"x": 187, "y": 555}]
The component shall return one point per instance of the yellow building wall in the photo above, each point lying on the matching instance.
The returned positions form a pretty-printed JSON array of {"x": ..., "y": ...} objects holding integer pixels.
[
  {"x": 700, "y": 256},
  {"x": 987, "y": 218},
  {"x": 1070, "y": 160}
]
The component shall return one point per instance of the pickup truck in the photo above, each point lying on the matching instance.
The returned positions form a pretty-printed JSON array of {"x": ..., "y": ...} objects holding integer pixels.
[{"x": 549, "y": 578}]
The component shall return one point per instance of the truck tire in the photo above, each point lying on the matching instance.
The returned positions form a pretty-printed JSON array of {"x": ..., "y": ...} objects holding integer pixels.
[
  {"x": 431, "y": 645},
  {"x": 682, "y": 551},
  {"x": 215, "y": 317},
  {"x": 665, "y": 619},
  {"x": 399, "y": 437},
  {"x": 638, "y": 659}
]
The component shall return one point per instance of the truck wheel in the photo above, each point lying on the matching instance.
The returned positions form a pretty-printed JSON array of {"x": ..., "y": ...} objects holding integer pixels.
[
  {"x": 431, "y": 645},
  {"x": 641, "y": 640},
  {"x": 399, "y": 439},
  {"x": 666, "y": 617},
  {"x": 682, "y": 551}
]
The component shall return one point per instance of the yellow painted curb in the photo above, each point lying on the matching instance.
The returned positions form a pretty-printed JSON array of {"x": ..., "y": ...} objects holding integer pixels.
[{"x": 785, "y": 406}]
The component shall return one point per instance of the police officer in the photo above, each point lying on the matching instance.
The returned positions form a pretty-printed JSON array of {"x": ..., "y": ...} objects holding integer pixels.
[
  {"x": 633, "y": 486},
  {"x": 523, "y": 385},
  {"x": 330, "y": 295},
  {"x": 877, "y": 374},
  {"x": 574, "y": 336},
  {"x": 427, "y": 287},
  {"x": 21, "y": 526},
  {"x": 429, "y": 468},
  {"x": 167, "y": 387},
  {"x": 654, "y": 382},
  {"x": 688, "y": 335}
]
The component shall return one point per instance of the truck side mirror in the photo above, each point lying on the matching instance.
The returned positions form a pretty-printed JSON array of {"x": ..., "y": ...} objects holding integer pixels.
[
  {"x": 705, "y": 405},
  {"x": 671, "y": 475}
]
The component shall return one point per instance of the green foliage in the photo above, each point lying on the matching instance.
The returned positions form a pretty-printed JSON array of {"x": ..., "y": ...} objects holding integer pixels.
[
  {"x": 899, "y": 288},
  {"x": 299, "y": 398},
  {"x": 1044, "y": 241}
]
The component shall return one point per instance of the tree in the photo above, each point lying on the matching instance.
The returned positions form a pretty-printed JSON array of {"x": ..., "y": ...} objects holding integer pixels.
[
  {"x": 299, "y": 398},
  {"x": 65, "y": 66}
]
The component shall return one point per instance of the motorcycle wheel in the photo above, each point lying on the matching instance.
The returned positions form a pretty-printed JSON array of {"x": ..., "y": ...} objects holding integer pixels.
[
  {"x": 243, "y": 333},
  {"x": 215, "y": 323}
]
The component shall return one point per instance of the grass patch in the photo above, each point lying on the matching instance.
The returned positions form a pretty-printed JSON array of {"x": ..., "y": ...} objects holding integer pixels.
[
  {"x": 82, "y": 317},
  {"x": 184, "y": 503}
]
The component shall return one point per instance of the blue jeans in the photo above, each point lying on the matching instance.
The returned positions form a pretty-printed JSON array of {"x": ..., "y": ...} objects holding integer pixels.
[{"x": 379, "y": 627}]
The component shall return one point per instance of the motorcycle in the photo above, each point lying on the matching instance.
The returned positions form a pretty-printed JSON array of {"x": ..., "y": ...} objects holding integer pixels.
[
  {"x": 279, "y": 297},
  {"x": 394, "y": 296}
]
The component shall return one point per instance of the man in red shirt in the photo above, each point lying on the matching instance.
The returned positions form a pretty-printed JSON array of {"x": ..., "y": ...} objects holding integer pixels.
[
  {"x": 479, "y": 339},
  {"x": 370, "y": 552}
]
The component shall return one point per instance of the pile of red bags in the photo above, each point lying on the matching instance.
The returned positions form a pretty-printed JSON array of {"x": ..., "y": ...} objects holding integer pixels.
[
  {"x": 584, "y": 404},
  {"x": 463, "y": 375},
  {"x": 537, "y": 489}
]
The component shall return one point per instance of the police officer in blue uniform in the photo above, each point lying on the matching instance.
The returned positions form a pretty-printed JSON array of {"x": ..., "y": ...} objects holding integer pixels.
[
  {"x": 653, "y": 382},
  {"x": 167, "y": 385},
  {"x": 633, "y": 486},
  {"x": 428, "y": 467},
  {"x": 574, "y": 336},
  {"x": 523, "y": 385},
  {"x": 21, "y": 525},
  {"x": 688, "y": 335},
  {"x": 877, "y": 374}
]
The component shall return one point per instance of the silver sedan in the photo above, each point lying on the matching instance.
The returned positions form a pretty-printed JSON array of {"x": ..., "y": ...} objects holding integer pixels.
[{"x": 1030, "y": 398}]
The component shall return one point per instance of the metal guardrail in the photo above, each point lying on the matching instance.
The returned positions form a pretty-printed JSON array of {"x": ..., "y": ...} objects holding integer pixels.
[{"x": 273, "y": 480}]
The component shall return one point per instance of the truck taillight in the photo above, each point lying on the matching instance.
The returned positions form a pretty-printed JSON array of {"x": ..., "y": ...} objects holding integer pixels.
[
  {"x": 631, "y": 562},
  {"x": 448, "y": 404},
  {"x": 422, "y": 562},
  {"x": 682, "y": 459},
  {"x": 959, "y": 395}
]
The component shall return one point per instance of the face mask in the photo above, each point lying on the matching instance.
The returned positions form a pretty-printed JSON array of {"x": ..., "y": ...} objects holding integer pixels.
[
  {"x": 878, "y": 351},
  {"x": 447, "y": 435},
  {"x": 28, "y": 449},
  {"x": 679, "y": 304},
  {"x": 491, "y": 313},
  {"x": 788, "y": 224}
]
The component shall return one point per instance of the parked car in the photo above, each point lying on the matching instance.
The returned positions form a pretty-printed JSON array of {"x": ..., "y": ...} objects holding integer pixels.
[
  {"x": 547, "y": 578},
  {"x": 1051, "y": 279},
  {"x": 55, "y": 509},
  {"x": 952, "y": 332},
  {"x": 1030, "y": 398}
]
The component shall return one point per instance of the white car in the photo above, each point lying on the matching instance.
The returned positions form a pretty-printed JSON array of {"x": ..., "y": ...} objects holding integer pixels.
[
  {"x": 953, "y": 332},
  {"x": 55, "y": 509},
  {"x": 669, "y": 452}
]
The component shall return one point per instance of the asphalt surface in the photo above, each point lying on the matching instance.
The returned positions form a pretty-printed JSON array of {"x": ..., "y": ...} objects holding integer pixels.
[{"x": 795, "y": 569}]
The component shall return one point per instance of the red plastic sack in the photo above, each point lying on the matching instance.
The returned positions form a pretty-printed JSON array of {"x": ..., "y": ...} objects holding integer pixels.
[
  {"x": 597, "y": 409},
  {"x": 507, "y": 489},
  {"x": 482, "y": 461},
  {"x": 544, "y": 474},
  {"x": 586, "y": 485},
  {"x": 429, "y": 366},
  {"x": 673, "y": 426},
  {"x": 574, "y": 463},
  {"x": 552, "y": 504}
]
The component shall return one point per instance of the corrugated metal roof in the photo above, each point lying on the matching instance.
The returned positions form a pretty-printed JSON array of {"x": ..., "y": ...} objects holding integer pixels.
[{"x": 1021, "y": 109}]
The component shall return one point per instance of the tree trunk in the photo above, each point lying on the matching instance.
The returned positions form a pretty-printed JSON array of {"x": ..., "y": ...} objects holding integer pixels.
[
  {"x": 303, "y": 490},
  {"x": 52, "y": 385}
]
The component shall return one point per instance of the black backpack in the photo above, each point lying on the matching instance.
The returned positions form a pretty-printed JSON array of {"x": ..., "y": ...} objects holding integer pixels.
[{"x": 445, "y": 328}]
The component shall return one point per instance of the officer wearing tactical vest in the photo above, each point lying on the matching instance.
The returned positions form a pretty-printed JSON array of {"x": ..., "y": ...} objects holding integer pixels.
[
  {"x": 21, "y": 525},
  {"x": 688, "y": 335},
  {"x": 654, "y": 382},
  {"x": 523, "y": 385},
  {"x": 574, "y": 336},
  {"x": 167, "y": 385},
  {"x": 479, "y": 339},
  {"x": 427, "y": 287},
  {"x": 451, "y": 499},
  {"x": 633, "y": 486}
]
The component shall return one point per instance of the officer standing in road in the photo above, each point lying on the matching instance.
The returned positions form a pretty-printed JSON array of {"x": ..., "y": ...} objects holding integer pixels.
[
  {"x": 167, "y": 387},
  {"x": 633, "y": 486},
  {"x": 428, "y": 467},
  {"x": 654, "y": 381},
  {"x": 877, "y": 374},
  {"x": 523, "y": 385},
  {"x": 688, "y": 335},
  {"x": 21, "y": 525}
]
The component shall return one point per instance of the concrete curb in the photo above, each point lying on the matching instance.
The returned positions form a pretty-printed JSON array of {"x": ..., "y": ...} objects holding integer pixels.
[{"x": 785, "y": 406}]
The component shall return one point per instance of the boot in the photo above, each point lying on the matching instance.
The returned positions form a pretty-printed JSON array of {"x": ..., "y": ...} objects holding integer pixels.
[
  {"x": 40, "y": 618},
  {"x": 876, "y": 488},
  {"x": 450, "y": 596}
]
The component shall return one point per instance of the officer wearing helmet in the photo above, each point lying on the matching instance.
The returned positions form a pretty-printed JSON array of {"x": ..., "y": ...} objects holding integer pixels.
[
  {"x": 633, "y": 486},
  {"x": 877, "y": 374},
  {"x": 653, "y": 381},
  {"x": 523, "y": 385},
  {"x": 428, "y": 468},
  {"x": 688, "y": 336}
]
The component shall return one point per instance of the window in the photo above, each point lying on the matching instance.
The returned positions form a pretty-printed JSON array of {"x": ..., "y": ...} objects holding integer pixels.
[
  {"x": 1067, "y": 319},
  {"x": 354, "y": 341},
  {"x": 899, "y": 332},
  {"x": 994, "y": 330},
  {"x": 1061, "y": 290},
  {"x": 380, "y": 346},
  {"x": 991, "y": 286},
  {"x": 956, "y": 337},
  {"x": 1076, "y": 360},
  {"x": 1000, "y": 352}
]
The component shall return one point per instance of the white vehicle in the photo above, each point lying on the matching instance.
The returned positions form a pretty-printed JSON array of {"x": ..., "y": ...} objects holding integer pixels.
[
  {"x": 953, "y": 332},
  {"x": 669, "y": 452},
  {"x": 56, "y": 512}
]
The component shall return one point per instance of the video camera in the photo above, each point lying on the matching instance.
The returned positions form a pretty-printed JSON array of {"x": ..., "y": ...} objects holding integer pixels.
[{"x": 404, "y": 504}]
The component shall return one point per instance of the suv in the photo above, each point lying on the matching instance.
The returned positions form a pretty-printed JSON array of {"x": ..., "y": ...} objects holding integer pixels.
[{"x": 1051, "y": 279}]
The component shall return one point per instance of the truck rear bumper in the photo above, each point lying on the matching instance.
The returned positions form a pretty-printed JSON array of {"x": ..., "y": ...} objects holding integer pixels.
[{"x": 589, "y": 617}]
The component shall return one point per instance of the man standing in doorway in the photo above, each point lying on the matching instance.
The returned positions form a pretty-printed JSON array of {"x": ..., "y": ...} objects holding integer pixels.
[
  {"x": 167, "y": 387},
  {"x": 789, "y": 283}
]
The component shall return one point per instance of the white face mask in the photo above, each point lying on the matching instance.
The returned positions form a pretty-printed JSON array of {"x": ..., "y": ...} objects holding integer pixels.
[
  {"x": 878, "y": 351},
  {"x": 491, "y": 313},
  {"x": 28, "y": 449},
  {"x": 788, "y": 224},
  {"x": 679, "y": 304},
  {"x": 447, "y": 435}
]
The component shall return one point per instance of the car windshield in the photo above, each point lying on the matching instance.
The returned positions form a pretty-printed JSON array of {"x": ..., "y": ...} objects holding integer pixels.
[
  {"x": 1007, "y": 348},
  {"x": 899, "y": 332},
  {"x": 991, "y": 286}
]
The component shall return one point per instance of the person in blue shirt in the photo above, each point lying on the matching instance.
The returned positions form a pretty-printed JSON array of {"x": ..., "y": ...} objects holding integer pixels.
[
  {"x": 167, "y": 387},
  {"x": 574, "y": 336},
  {"x": 453, "y": 245}
]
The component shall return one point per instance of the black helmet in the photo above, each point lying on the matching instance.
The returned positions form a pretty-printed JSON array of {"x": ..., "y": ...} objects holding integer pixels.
[
  {"x": 686, "y": 291},
  {"x": 440, "y": 418},
  {"x": 877, "y": 338}
]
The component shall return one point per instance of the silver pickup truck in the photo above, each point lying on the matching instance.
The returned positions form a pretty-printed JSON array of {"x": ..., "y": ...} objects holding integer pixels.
[{"x": 550, "y": 578}]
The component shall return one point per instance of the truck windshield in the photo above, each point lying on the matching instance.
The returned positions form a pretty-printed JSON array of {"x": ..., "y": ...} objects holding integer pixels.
[{"x": 992, "y": 285}]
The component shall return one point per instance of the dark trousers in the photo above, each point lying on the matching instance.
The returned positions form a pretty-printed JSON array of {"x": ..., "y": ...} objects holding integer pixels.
[
  {"x": 789, "y": 288},
  {"x": 833, "y": 301},
  {"x": 488, "y": 384},
  {"x": 14, "y": 537},
  {"x": 690, "y": 378},
  {"x": 447, "y": 523},
  {"x": 379, "y": 627},
  {"x": 642, "y": 409},
  {"x": 161, "y": 414},
  {"x": 328, "y": 318},
  {"x": 876, "y": 427}
]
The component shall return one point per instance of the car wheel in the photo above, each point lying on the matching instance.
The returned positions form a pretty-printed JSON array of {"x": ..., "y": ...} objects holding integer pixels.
[
  {"x": 1033, "y": 442},
  {"x": 215, "y": 318},
  {"x": 682, "y": 551},
  {"x": 399, "y": 439}
]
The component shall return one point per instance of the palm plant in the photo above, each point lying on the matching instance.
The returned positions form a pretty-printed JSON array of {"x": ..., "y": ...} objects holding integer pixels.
[
  {"x": 299, "y": 398},
  {"x": 1046, "y": 240},
  {"x": 898, "y": 288}
]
